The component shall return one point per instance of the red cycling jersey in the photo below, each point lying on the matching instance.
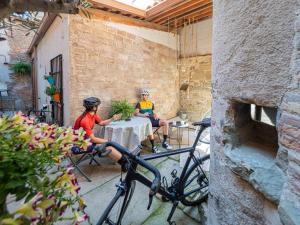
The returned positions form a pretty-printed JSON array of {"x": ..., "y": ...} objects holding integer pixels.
[{"x": 87, "y": 122}]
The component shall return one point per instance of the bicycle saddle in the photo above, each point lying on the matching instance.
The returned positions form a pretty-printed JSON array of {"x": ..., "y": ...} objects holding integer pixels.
[{"x": 205, "y": 122}]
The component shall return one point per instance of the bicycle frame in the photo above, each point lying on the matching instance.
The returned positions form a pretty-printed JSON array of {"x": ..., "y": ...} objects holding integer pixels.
[
  {"x": 134, "y": 175},
  {"x": 174, "y": 195}
]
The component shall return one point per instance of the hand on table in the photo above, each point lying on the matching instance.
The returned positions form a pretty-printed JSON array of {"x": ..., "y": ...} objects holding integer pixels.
[
  {"x": 117, "y": 117},
  {"x": 146, "y": 114}
]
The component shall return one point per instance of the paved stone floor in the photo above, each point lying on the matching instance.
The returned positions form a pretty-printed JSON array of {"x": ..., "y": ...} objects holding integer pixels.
[{"x": 101, "y": 190}]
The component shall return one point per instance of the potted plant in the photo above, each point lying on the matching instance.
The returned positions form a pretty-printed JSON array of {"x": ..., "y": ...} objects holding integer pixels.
[
  {"x": 50, "y": 79},
  {"x": 123, "y": 107},
  {"x": 21, "y": 68},
  {"x": 34, "y": 173},
  {"x": 53, "y": 92}
]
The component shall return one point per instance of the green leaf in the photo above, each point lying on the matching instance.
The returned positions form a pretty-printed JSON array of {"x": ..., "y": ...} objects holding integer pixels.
[{"x": 14, "y": 184}]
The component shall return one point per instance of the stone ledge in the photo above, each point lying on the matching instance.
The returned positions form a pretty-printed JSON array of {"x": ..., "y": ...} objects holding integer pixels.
[
  {"x": 256, "y": 164},
  {"x": 289, "y": 213}
]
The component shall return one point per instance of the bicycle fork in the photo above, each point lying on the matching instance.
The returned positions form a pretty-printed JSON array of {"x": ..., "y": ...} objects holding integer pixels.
[{"x": 175, "y": 204}]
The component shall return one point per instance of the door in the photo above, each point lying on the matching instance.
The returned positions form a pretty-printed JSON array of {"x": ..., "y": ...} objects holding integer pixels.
[{"x": 57, "y": 103}]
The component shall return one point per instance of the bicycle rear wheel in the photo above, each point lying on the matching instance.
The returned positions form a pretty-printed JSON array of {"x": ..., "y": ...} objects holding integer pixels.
[
  {"x": 116, "y": 209},
  {"x": 195, "y": 186}
]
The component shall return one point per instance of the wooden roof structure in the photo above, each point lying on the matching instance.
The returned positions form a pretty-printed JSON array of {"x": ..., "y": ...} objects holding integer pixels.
[
  {"x": 165, "y": 15},
  {"x": 169, "y": 13}
]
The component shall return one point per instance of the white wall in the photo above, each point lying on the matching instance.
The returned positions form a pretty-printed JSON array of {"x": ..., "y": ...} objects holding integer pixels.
[
  {"x": 160, "y": 37},
  {"x": 196, "y": 39},
  {"x": 54, "y": 43}
]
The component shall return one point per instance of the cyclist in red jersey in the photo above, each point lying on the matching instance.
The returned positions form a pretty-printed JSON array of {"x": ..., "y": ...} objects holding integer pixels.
[{"x": 87, "y": 121}]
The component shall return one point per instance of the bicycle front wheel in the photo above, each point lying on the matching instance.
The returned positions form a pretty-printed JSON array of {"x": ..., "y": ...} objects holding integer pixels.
[
  {"x": 205, "y": 136},
  {"x": 116, "y": 209},
  {"x": 195, "y": 186}
]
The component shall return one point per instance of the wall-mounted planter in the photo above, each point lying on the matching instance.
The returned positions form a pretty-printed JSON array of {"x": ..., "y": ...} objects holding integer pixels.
[
  {"x": 56, "y": 97},
  {"x": 50, "y": 80}
]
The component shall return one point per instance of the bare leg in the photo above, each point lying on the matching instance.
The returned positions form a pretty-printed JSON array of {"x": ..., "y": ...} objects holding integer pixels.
[
  {"x": 114, "y": 155},
  {"x": 151, "y": 137},
  {"x": 165, "y": 125}
]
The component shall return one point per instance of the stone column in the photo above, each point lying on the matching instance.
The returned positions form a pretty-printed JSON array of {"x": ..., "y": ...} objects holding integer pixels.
[{"x": 254, "y": 43}]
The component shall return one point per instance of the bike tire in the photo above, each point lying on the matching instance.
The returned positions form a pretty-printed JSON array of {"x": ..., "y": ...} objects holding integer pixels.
[
  {"x": 113, "y": 214},
  {"x": 205, "y": 136},
  {"x": 194, "y": 187}
]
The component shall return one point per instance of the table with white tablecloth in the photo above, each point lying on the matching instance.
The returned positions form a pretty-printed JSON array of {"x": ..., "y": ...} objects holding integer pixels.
[{"x": 129, "y": 133}]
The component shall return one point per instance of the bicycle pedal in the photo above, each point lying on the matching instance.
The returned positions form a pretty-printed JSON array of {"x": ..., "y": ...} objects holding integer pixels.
[
  {"x": 165, "y": 183},
  {"x": 174, "y": 173}
]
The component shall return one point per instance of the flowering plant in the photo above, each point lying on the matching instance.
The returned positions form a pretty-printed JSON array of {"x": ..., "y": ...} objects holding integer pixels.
[{"x": 32, "y": 171}]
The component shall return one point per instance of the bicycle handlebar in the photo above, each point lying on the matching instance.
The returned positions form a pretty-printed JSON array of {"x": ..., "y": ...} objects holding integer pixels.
[{"x": 156, "y": 182}]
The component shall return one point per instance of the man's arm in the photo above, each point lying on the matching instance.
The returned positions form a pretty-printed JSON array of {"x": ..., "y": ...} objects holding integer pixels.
[
  {"x": 137, "y": 111},
  {"x": 155, "y": 116}
]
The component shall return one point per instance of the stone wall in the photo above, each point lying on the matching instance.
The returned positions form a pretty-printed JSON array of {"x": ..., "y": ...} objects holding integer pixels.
[
  {"x": 113, "y": 64},
  {"x": 289, "y": 138},
  {"x": 195, "y": 43},
  {"x": 195, "y": 83},
  {"x": 255, "y": 61},
  {"x": 19, "y": 86}
]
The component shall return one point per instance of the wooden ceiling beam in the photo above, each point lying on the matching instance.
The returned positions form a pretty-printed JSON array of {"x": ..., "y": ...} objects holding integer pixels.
[
  {"x": 189, "y": 15},
  {"x": 202, "y": 16},
  {"x": 118, "y": 6},
  {"x": 162, "y": 7},
  {"x": 186, "y": 6},
  {"x": 117, "y": 18}
]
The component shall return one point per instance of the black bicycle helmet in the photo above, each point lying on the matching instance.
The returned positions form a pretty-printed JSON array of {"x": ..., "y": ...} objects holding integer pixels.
[{"x": 90, "y": 102}]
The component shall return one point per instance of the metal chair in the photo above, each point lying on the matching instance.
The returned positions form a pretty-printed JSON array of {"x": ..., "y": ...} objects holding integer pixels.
[
  {"x": 155, "y": 132},
  {"x": 89, "y": 154}
]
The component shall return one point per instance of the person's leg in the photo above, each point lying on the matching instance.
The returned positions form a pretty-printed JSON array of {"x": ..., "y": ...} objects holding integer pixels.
[
  {"x": 151, "y": 137},
  {"x": 116, "y": 156},
  {"x": 165, "y": 125}
]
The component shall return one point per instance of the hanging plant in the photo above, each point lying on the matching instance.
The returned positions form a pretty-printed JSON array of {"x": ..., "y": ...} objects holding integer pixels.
[
  {"x": 21, "y": 68},
  {"x": 50, "y": 79},
  {"x": 51, "y": 90}
]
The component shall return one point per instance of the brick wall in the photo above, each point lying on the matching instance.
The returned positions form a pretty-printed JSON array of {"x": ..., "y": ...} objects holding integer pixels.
[
  {"x": 196, "y": 73},
  {"x": 113, "y": 64}
]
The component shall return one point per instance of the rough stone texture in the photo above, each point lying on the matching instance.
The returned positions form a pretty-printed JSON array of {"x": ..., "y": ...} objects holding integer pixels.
[
  {"x": 252, "y": 49},
  {"x": 289, "y": 136},
  {"x": 118, "y": 64},
  {"x": 20, "y": 86},
  {"x": 258, "y": 168},
  {"x": 196, "y": 73},
  {"x": 282, "y": 158},
  {"x": 255, "y": 61}
]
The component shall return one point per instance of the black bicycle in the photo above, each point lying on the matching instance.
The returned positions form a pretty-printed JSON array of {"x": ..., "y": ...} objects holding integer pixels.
[
  {"x": 39, "y": 116},
  {"x": 190, "y": 188}
]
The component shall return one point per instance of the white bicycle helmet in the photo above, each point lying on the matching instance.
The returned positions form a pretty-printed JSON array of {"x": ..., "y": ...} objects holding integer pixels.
[{"x": 145, "y": 92}]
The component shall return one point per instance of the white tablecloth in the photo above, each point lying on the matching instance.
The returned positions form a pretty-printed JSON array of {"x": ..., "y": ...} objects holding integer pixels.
[{"x": 129, "y": 133}]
